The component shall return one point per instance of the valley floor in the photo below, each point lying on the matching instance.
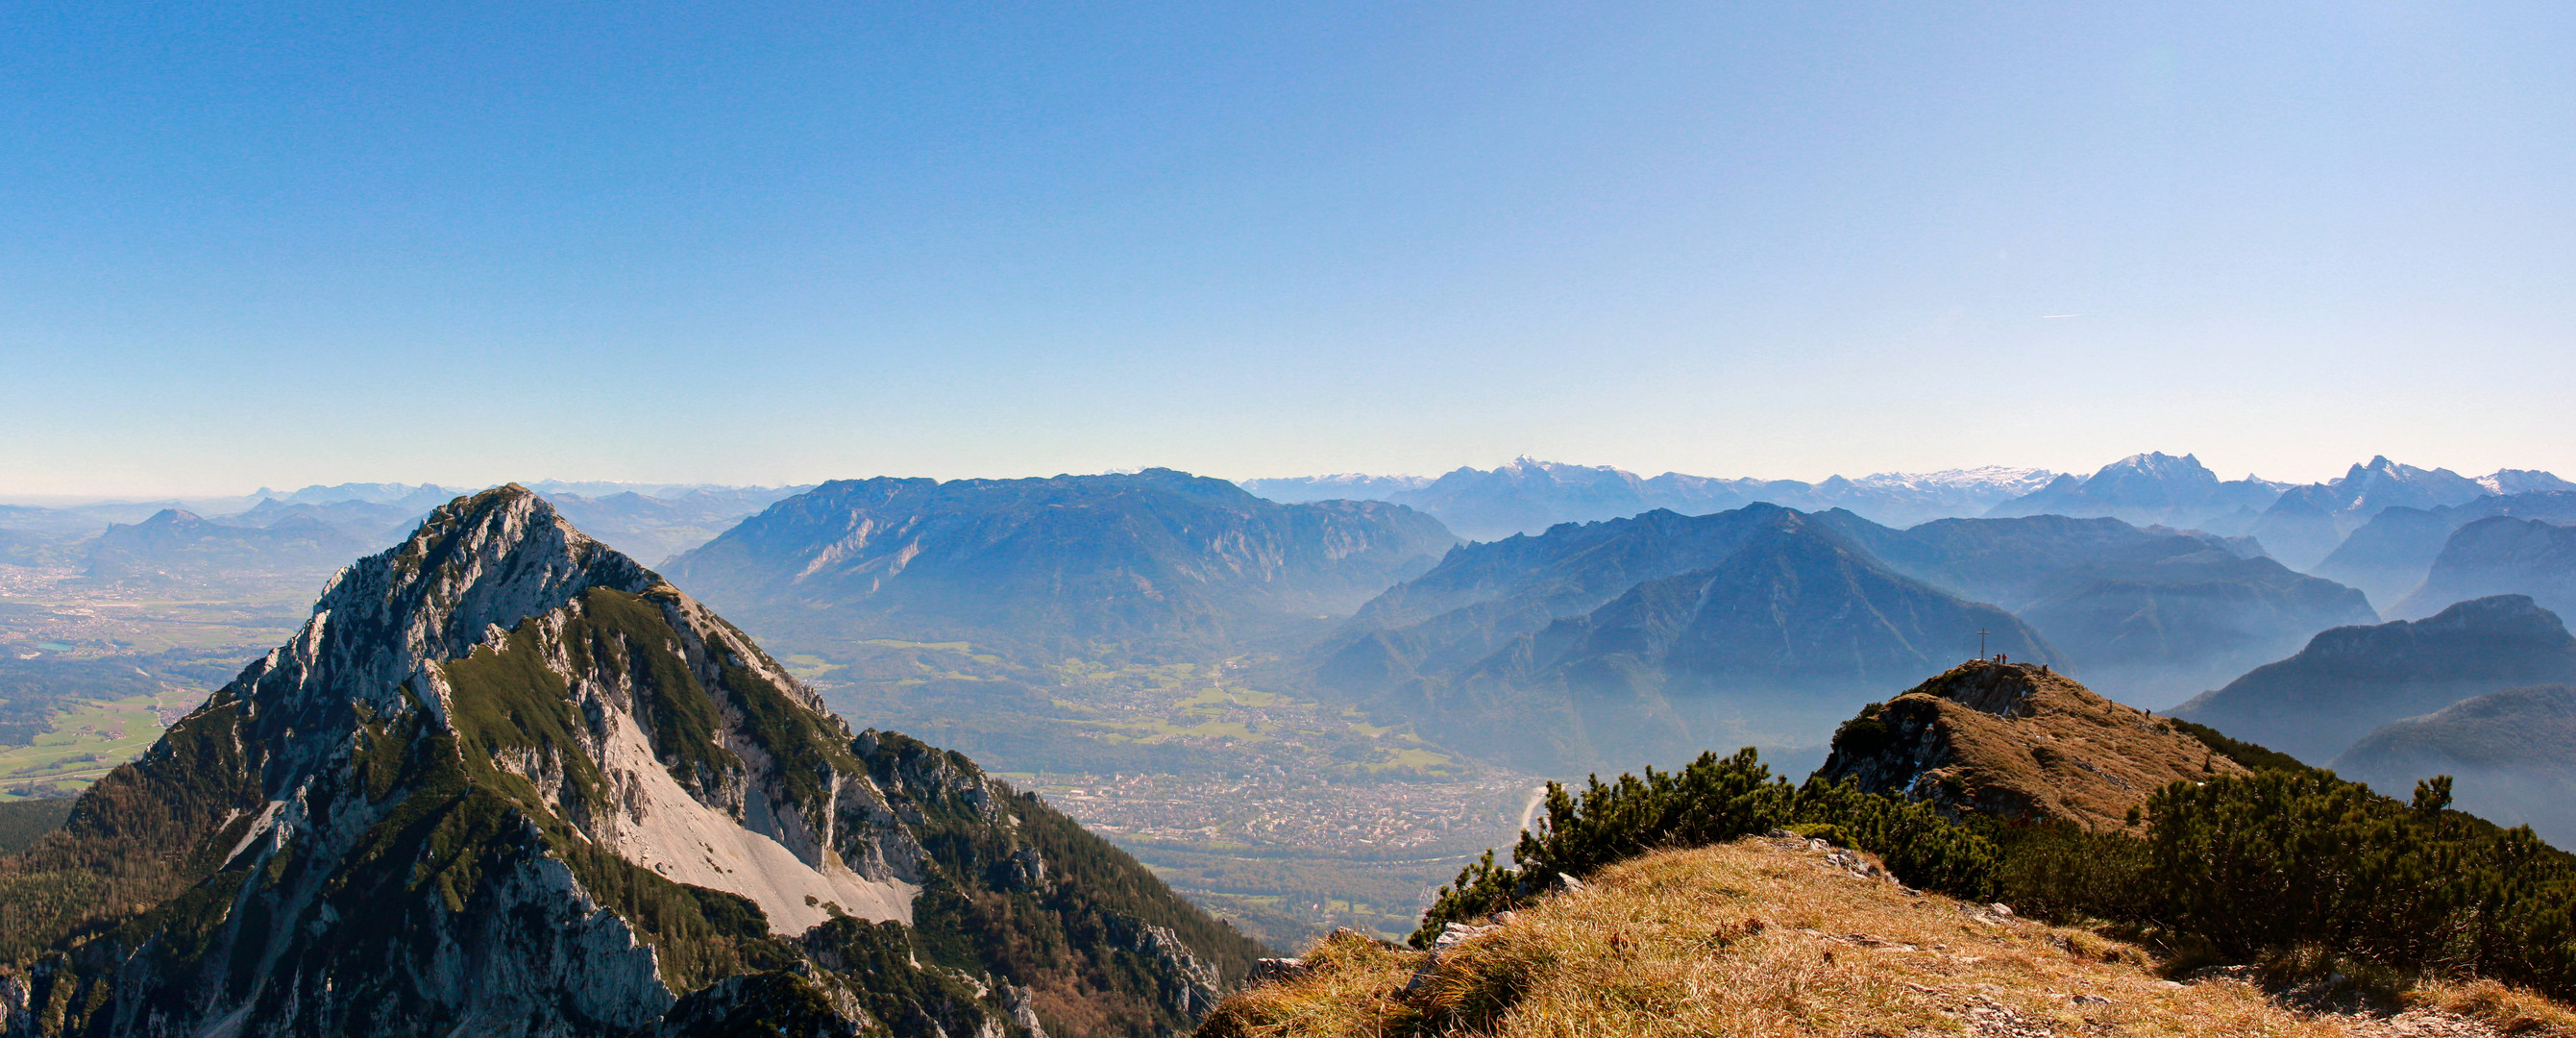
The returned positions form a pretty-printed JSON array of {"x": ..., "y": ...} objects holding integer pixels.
[
  {"x": 1287, "y": 816},
  {"x": 1290, "y": 861},
  {"x": 1785, "y": 937},
  {"x": 67, "y": 650}
]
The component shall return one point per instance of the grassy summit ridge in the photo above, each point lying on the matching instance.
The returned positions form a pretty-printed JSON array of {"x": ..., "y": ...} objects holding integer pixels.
[
  {"x": 2018, "y": 742},
  {"x": 1778, "y": 937},
  {"x": 2278, "y": 869}
]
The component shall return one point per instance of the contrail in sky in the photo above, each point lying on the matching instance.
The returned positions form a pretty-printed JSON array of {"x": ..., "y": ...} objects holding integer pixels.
[{"x": 2045, "y": 317}]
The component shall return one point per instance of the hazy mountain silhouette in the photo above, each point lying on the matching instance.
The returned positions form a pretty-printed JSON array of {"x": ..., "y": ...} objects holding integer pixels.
[
  {"x": 2308, "y": 522},
  {"x": 2502, "y": 555},
  {"x": 180, "y": 547},
  {"x": 2154, "y": 613},
  {"x": 650, "y": 527},
  {"x": 2351, "y": 680},
  {"x": 1340, "y": 486},
  {"x": 2149, "y": 489},
  {"x": 1153, "y": 559},
  {"x": 1528, "y": 496},
  {"x": 2511, "y": 756},
  {"x": 1647, "y": 638},
  {"x": 2390, "y": 555}
]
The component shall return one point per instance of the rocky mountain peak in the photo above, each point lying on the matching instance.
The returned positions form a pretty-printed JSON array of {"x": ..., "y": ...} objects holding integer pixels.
[
  {"x": 2158, "y": 469},
  {"x": 475, "y": 567},
  {"x": 506, "y": 780}
]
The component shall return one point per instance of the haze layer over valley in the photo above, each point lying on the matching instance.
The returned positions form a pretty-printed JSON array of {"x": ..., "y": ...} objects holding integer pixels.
[{"x": 1308, "y": 709}]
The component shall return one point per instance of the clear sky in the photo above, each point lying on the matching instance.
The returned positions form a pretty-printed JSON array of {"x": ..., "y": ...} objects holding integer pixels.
[{"x": 304, "y": 242}]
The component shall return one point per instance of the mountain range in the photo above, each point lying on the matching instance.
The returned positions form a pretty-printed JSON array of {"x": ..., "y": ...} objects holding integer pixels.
[
  {"x": 2309, "y": 522},
  {"x": 1641, "y": 638},
  {"x": 508, "y": 781},
  {"x": 2156, "y": 613},
  {"x": 2148, "y": 490},
  {"x": 1528, "y": 496},
  {"x": 1151, "y": 561},
  {"x": 254, "y": 546},
  {"x": 2390, "y": 555},
  {"x": 2511, "y": 756}
]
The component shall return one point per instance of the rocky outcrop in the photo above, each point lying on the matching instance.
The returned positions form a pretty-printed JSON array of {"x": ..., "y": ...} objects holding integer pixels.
[
  {"x": 507, "y": 781},
  {"x": 2019, "y": 742}
]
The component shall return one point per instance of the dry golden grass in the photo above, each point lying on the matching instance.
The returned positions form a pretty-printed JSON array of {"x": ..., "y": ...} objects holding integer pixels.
[
  {"x": 2510, "y": 1010},
  {"x": 2025, "y": 743},
  {"x": 1758, "y": 938}
]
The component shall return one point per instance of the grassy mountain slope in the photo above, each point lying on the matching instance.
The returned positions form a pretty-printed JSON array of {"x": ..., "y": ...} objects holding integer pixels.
[
  {"x": 1781, "y": 937},
  {"x": 2017, "y": 743},
  {"x": 2286, "y": 877}
]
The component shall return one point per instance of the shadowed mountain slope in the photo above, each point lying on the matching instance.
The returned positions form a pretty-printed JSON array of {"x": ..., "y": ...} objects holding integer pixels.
[
  {"x": 2155, "y": 612},
  {"x": 2503, "y": 555},
  {"x": 2351, "y": 680},
  {"x": 1650, "y": 637},
  {"x": 2511, "y": 756},
  {"x": 2390, "y": 555},
  {"x": 1150, "y": 560},
  {"x": 507, "y": 781}
]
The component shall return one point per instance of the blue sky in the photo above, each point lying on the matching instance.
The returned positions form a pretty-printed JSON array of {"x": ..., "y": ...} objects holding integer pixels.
[{"x": 290, "y": 243}]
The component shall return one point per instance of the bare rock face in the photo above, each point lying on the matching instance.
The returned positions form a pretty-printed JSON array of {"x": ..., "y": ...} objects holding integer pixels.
[
  {"x": 507, "y": 781},
  {"x": 2020, "y": 742}
]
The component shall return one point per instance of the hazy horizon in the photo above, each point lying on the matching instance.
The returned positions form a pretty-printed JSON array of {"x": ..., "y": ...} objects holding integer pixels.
[{"x": 281, "y": 488}]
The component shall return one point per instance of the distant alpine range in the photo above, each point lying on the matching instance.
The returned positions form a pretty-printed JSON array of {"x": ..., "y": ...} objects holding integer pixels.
[
  {"x": 1555, "y": 617},
  {"x": 486, "y": 667}
]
